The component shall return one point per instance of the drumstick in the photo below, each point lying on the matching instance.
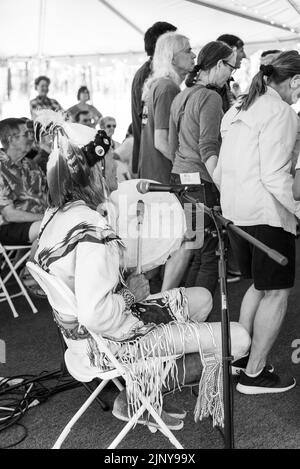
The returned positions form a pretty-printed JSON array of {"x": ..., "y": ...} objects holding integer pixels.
[{"x": 140, "y": 211}]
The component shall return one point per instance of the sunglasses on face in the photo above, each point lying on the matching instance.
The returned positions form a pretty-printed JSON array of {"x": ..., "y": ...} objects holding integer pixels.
[
  {"x": 27, "y": 133},
  {"x": 109, "y": 126}
]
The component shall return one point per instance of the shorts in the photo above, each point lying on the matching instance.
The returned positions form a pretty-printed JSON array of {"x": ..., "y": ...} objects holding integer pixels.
[
  {"x": 255, "y": 264},
  {"x": 15, "y": 233}
]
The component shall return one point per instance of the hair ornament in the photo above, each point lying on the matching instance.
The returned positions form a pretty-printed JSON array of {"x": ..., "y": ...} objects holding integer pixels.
[
  {"x": 99, "y": 150},
  {"x": 267, "y": 70}
]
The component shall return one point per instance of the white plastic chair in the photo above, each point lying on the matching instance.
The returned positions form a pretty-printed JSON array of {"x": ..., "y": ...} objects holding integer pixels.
[
  {"x": 6, "y": 252},
  {"x": 62, "y": 300}
]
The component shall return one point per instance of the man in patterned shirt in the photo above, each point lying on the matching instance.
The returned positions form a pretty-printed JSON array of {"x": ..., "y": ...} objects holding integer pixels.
[
  {"x": 22, "y": 185},
  {"x": 42, "y": 101}
]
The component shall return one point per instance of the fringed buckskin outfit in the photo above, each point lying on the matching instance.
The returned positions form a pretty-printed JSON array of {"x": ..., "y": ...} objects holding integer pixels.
[{"x": 78, "y": 246}]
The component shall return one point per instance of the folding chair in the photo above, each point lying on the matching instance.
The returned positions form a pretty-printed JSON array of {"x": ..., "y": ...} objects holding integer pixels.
[
  {"x": 12, "y": 263},
  {"x": 62, "y": 300}
]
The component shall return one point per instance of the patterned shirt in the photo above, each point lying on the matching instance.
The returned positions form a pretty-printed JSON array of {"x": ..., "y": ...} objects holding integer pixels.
[
  {"x": 43, "y": 102},
  {"x": 22, "y": 184}
]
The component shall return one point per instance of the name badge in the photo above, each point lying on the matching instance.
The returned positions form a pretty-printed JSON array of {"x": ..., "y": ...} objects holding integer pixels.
[{"x": 190, "y": 178}]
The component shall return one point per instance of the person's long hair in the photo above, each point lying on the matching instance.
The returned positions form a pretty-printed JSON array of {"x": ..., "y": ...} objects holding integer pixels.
[
  {"x": 284, "y": 66},
  {"x": 75, "y": 173},
  {"x": 166, "y": 47},
  {"x": 208, "y": 58}
]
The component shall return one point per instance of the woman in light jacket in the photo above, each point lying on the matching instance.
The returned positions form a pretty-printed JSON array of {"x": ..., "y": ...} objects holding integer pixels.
[{"x": 254, "y": 175}]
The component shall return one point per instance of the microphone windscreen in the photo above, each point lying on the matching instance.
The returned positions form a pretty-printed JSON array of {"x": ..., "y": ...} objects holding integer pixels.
[{"x": 142, "y": 187}]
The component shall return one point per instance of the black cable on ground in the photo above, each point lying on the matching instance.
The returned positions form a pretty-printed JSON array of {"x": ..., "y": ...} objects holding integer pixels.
[{"x": 20, "y": 393}]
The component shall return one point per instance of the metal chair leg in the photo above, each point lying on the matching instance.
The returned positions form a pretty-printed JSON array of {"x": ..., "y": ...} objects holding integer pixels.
[
  {"x": 104, "y": 406},
  {"x": 78, "y": 414}
]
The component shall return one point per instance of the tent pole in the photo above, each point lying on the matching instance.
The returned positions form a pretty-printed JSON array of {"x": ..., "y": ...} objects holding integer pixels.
[
  {"x": 91, "y": 83},
  {"x": 26, "y": 78},
  {"x": 243, "y": 15},
  {"x": 120, "y": 15},
  {"x": 41, "y": 37},
  {"x": 294, "y": 5},
  {"x": 8, "y": 83}
]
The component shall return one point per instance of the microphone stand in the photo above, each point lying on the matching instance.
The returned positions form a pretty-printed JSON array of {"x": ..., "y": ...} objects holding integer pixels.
[{"x": 222, "y": 224}]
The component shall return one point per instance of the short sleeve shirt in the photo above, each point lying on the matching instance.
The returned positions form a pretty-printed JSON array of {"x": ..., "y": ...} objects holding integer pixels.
[
  {"x": 153, "y": 164},
  {"x": 43, "y": 102},
  {"x": 23, "y": 185}
]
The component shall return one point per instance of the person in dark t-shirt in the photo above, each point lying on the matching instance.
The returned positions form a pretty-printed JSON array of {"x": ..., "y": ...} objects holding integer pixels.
[{"x": 150, "y": 38}]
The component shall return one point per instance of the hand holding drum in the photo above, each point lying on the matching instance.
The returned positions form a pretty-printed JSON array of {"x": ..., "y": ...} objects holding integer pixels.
[{"x": 140, "y": 212}]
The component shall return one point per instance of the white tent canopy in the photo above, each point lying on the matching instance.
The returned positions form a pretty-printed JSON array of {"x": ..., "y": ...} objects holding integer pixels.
[{"x": 51, "y": 28}]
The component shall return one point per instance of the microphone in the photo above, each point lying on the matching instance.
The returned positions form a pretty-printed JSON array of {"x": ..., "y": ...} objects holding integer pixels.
[
  {"x": 144, "y": 186},
  {"x": 140, "y": 211}
]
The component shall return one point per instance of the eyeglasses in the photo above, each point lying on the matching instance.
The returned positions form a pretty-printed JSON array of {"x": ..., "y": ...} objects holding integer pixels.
[
  {"x": 111, "y": 125},
  {"x": 26, "y": 134},
  {"x": 233, "y": 68}
]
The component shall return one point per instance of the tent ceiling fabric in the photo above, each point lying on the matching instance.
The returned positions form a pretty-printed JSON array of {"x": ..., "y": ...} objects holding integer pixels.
[{"x": 84, "y": 27}]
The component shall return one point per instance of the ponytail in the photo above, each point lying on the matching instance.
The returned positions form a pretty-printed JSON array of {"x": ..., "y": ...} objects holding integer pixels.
[
  {"x": 192, "y": 77},
  {"x": 258, "y": 86},
  {"x": 208, "y": 58}
]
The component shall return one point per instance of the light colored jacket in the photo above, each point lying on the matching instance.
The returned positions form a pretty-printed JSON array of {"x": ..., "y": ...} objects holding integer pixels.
[
  {"x": 254, "y": 166},
  {"x": 81, "y": 249}
]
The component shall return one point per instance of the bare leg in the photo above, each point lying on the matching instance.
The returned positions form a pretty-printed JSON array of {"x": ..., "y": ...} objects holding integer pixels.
[
  {"x": 200, "y": 303},
  {"x": 267, "y": 323},
  {"x": 249, "y": 307},
  {"x": 175, "y": 268}
]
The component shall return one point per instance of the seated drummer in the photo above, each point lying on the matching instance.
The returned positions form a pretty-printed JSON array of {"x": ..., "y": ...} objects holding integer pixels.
[{"x": 77, "y": 245}]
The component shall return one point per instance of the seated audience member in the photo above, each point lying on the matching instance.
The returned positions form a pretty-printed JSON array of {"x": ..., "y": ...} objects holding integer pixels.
[
  {"x": 84, "y": 118},
  {"x": 42, "y": 101},
  {"x": 268, "y": 55},
  {"x": 22, "y": 189},
  {"x": 109, "y": 124},
  {"x": 83, "y": 96},
  {"x": 89, "y": 263},
  {"x": 123, "y": 154}
]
